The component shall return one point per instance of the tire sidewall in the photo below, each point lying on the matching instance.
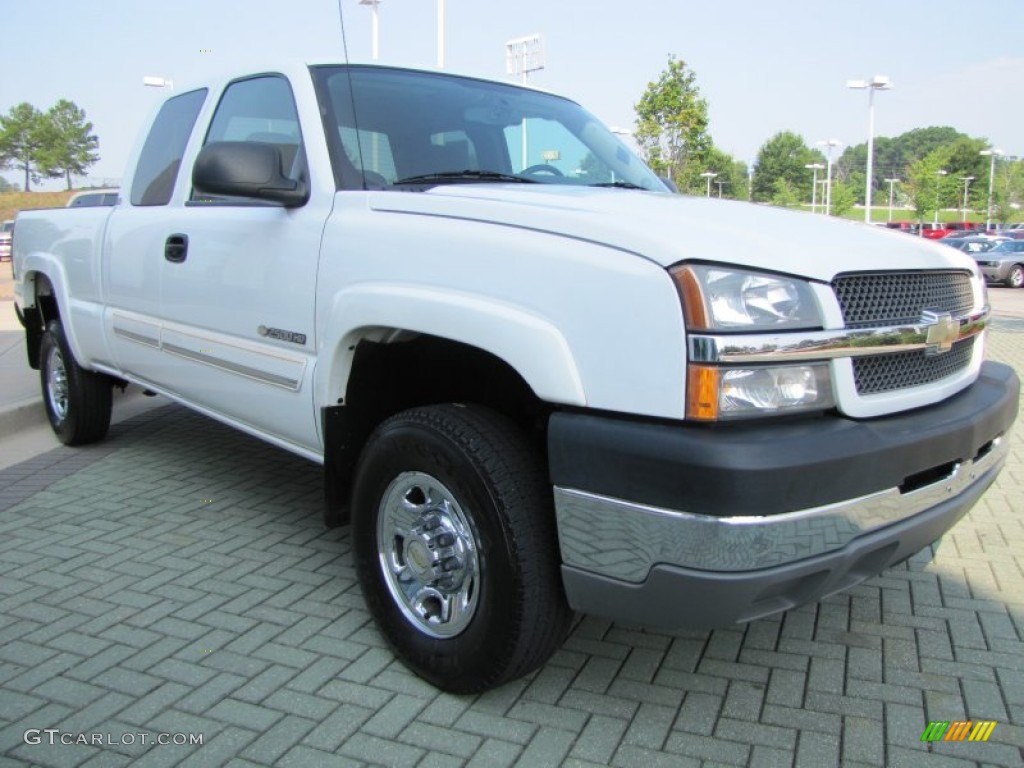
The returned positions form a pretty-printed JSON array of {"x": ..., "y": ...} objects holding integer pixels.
[
  {"x": 54, "y": 338},
  {"x": 416, "y": 447},
  {"x": 1016, "y": 277}
]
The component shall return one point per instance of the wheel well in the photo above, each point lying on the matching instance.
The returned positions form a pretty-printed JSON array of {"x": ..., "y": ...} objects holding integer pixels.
[
  {"x": 36, "y": 317},
  {"x": 388, "y": 378}
]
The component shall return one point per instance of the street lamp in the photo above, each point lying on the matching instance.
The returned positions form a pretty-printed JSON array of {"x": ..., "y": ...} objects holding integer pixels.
[
  {"x": 814, "y": 184},
  {"x": 709, "y": 175},
  {"x": 829, "y": 145},
  {"x": 880, "y": 83},
  {"x": 376, "y": 25},
  {"x": 441, "y": 18},
  {"x": 720, "y": 185},
  {"x": 967, "y": 183},
  {"x": 523, "y": 56},
  {"x": 992, "y": 153},
  {"x": 891, "y": 183},
  {"x": 938, "y": 185},
  {"x": 158, "y": 82}
]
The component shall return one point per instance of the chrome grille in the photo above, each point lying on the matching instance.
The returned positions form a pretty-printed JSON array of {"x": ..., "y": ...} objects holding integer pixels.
[
  {"x": 897, "y": 298},
  {"x": 885, "y": 373}
]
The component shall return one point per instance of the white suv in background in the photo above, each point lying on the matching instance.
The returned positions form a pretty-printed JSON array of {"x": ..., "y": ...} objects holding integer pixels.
[
  {"x": 94, "y": 197},
  {"x": 6, "y": 232}
]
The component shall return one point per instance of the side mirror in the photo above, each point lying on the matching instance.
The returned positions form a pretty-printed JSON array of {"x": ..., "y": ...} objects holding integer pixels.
[{"x": 246, "y": 169}]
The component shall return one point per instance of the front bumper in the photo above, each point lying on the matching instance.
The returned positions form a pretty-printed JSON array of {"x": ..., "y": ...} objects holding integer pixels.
[{"x": 677, "y": 526}]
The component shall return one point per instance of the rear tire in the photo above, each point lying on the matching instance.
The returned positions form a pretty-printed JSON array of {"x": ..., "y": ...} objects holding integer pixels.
[
  {"x": 77, "y": 401},
  {"x": 456, "y": 548}
]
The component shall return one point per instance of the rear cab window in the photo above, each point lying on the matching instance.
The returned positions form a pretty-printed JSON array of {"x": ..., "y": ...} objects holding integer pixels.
[{"x": 160, "y": 160}]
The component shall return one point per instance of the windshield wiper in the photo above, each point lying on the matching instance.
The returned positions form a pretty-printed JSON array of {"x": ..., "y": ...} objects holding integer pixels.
[
  {"x": 467, "y": 175},
  {"x": 618, "y": 185}
]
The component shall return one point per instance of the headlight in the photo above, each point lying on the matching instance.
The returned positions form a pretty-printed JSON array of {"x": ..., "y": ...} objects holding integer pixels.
[
  {"x": 716, "y": 393},
  {"x": 722, "y": 298},
  {"x": 728, "y": 299}
]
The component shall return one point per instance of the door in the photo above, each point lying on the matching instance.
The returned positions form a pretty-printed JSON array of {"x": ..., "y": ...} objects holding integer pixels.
[{"x": 238, "y": 283}]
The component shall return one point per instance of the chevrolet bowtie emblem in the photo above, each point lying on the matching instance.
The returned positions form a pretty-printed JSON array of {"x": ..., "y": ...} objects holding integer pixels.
[{"x": 943, "y": 330}]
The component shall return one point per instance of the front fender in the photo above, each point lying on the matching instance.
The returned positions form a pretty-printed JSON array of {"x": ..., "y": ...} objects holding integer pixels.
[{"x": 531, "y": 344}]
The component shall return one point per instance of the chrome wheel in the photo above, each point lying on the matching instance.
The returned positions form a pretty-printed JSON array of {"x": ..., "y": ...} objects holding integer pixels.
[
  {"x": 428, "y": 554},
  {"x": 57, "y": 384},
  {"x": 1016, "y": 279}
]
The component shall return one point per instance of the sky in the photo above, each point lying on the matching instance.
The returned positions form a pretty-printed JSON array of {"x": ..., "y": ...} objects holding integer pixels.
[{"x": 763, "y": 66}]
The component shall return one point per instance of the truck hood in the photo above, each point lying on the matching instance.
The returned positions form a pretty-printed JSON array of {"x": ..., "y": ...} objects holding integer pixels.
[{"x": 668, "y": 228}]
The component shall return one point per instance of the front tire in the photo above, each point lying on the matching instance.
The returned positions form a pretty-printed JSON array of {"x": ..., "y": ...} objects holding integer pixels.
[
  {"x": 456, "y": 547},
  {"x": 1016, "y": 277},
  {"x": 77, "y": 401}
]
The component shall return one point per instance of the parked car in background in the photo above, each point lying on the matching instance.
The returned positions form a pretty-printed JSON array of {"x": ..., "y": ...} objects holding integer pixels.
[
  {"x": 970, "y": 244},
  {"x": 94, "y": 197},
  {"x": 6, "y": 233},
  {"x": 1004, "y": 264}
]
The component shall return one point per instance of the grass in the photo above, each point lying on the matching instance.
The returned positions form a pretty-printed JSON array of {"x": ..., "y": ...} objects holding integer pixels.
[{"x": 12, "y": 202}]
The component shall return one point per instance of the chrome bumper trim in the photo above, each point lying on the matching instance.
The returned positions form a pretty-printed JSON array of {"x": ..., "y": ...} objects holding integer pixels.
[
  {"x": 623, "y": 540},
  {"x": 829, "y": 345}
]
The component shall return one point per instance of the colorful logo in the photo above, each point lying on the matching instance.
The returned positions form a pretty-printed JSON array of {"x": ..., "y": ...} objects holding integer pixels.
[{"x": 958, "y": 730}]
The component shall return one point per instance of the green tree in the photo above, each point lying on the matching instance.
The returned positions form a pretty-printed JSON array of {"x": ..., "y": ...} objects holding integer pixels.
[
  {"x": 21, "y": 139},
  {"x": 929, "y": 184},
  {"x": 843, "y": 198},
  {"x": 68, "y": 143},
  {"x": 785, "y": 194},
  {"x": 672, "y": 124},
  {"x": 893, "y": 156},
  {"x": 784, "y": 156},
  {"x": 1008, "y": 191}
]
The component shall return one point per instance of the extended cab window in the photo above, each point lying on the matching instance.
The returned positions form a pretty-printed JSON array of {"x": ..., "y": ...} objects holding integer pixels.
[
  {"x": 158, "y": 164},
  {"x": 261, "y": 109}
]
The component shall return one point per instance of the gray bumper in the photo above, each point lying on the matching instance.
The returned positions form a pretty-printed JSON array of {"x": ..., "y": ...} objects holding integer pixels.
[
  {"x": 674, "y": 597},
  {"x": 670, "y": 526}
]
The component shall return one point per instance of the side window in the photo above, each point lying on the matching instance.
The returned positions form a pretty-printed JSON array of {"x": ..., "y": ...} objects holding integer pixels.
[
  {"x": 261, "y": 109},
  {"x": 158, "y": 164}
]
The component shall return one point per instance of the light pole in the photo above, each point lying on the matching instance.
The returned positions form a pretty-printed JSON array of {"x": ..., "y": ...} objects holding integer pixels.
[
  {"x": 814, "y": 184},
  {"x": 938, "y": 186},
  {"x": 440, "y": 33},
  {"x": 829, "y": 145},
  {"x": 720, "y": 185},
  {"x": 709, "y": 175},
  {"x": 967, "y": 183},
  {"x": 992, "y": 153},
  {"x": 376, "y": 25},
  {"x": 892, "y": 184},
  {"x": 750, "y": 183},
  {"x": 524, "y": 55},
  {"x": 879, "y": 83}
]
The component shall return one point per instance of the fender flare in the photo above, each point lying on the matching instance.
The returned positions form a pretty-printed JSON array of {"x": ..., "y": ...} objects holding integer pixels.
[{"x": 529, "y": 343}]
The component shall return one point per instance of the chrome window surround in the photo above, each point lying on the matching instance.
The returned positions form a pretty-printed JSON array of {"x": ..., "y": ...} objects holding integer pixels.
[
  {"x": 830, "y": 345},
  {"x": 624, "y": 540}
]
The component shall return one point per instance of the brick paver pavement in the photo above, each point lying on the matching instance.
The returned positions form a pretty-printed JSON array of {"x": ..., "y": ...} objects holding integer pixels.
[{"x": 177, "y": 579}]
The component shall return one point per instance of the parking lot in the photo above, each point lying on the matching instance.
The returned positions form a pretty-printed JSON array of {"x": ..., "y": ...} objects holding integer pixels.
[{"x": 176, "y": 581}]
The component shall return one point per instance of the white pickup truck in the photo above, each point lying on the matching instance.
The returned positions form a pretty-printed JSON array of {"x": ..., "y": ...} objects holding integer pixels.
[{"x": 539, "y": 382}]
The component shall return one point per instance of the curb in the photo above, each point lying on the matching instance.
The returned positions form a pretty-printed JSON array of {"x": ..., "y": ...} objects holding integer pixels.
[{"x": 22, "y": 415}]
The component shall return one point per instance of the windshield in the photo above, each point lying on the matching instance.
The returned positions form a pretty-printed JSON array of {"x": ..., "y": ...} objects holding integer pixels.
[
  {"x": 1010, "y": 246},
  {"x": 392, "y": 127}
]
